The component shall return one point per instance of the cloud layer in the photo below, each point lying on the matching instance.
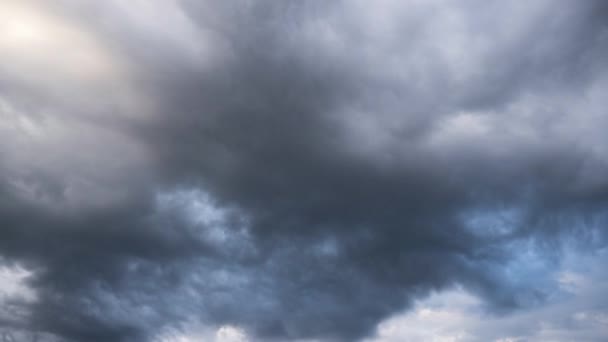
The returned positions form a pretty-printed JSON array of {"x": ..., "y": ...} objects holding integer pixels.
[{"x": 294, "y": 170}]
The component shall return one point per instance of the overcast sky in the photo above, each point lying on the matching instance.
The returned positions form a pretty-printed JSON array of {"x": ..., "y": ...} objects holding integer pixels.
[{"x": 303, "y": 170}]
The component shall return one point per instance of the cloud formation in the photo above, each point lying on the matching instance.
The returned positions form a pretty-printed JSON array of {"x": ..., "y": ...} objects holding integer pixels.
[{"x": 293, "y": 170}]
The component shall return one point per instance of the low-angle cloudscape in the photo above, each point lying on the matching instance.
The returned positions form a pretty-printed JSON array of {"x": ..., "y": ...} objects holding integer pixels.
[{"x": 303, "y": 170}]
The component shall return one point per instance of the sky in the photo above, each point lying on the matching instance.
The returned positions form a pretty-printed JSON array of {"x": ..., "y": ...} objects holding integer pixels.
[{"x": 306, "y": 171}]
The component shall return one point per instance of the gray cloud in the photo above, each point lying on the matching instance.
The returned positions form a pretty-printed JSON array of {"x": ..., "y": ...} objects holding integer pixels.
[{"x": 302, "y": 169}]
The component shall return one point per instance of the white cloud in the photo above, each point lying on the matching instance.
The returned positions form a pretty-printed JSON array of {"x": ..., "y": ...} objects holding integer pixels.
[
  {"x": 197, "y": 333},
  {"x": 15, "y": 294},
  {"x": 576, "y": 312},
  {"x": 13, "y": 283},
  {"x": 43, "y": 47},
  {"x": 230, "y": 333}
]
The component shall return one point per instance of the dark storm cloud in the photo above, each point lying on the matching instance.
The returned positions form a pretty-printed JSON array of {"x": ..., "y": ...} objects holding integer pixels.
[{"x": 300, "y": 169}]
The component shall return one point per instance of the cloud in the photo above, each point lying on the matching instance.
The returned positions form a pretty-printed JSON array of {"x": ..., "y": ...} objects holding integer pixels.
[
  {"x": 575, "y": 311},
  {"x": 295, "y": 170}
]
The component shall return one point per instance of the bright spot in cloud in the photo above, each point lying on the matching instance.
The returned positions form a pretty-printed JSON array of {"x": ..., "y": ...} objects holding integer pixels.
[
  {"x": 228, "y": 333},
  {"x": 12, "y": 283},
  {"x": 41, "y": 46},
  {"x": 15, "y": 294},
  {"x": 442, "y": 317},
  {"x": 195, "y": 333}
]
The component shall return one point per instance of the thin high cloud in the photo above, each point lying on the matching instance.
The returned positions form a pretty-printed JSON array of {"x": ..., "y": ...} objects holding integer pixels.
[{"x": 296, "y": 170}]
